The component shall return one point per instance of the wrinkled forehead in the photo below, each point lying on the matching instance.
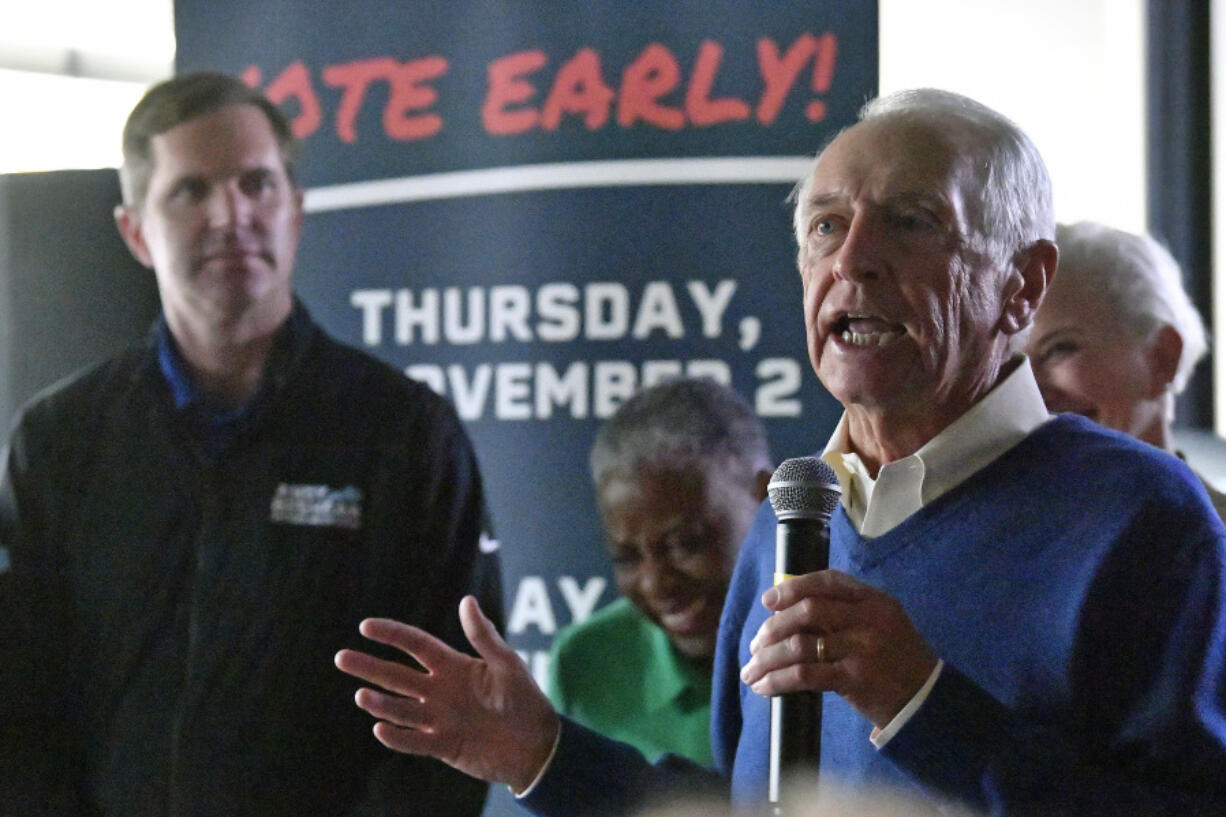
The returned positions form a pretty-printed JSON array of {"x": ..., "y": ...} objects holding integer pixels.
[{"x": 893, "y": 156}]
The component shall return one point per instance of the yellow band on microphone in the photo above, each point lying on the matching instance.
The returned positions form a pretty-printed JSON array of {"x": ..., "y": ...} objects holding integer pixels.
[{"x": 780, "y": 578}]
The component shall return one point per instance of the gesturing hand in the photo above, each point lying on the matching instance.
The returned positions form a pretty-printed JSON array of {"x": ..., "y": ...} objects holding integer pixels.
[
  {"x": 484, "y": 716},
  {"x": 870, "y": 653}
]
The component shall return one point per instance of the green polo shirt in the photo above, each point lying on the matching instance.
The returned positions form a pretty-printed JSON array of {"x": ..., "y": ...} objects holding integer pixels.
[{"x": 616, "y": 673}]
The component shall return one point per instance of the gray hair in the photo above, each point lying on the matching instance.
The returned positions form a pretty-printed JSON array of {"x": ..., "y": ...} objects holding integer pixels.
[
  {"x": 1011, "y": 206},
  {"x": 1137, "y": 281},
  {"x": 683, "y": 421}
]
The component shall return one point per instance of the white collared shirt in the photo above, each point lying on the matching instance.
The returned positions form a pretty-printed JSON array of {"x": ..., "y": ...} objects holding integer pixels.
[
  {"x": 999, "y": 421},
  {"x": 1002, "y": 419}
]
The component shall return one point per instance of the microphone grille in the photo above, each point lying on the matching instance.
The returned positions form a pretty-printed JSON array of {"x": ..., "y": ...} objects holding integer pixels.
[{"x": 803, "y": 488}]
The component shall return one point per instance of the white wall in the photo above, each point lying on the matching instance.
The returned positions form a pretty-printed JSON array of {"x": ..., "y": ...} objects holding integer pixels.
[
  {"x": 64, "y": 122},
  {"x": 54, "y": 117},
  {"x": 1069, "y": 72}
]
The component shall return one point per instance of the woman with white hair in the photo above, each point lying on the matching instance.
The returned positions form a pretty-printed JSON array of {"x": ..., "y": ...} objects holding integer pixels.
[{"x": 1117, "y": 337}]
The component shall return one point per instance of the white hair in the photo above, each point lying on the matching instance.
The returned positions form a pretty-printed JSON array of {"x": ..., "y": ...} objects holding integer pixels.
[
  {"x": 685, "y": 421},
  {"x": 1138, "y": 284},
  {"x": 1010, "y": 205}
]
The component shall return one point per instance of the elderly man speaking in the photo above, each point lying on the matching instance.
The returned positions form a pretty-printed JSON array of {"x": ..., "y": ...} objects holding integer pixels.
[{"x": 1023, "y": 615}]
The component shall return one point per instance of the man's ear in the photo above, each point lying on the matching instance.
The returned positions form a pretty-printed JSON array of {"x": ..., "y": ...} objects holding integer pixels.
[
  {"x": 128, "y": 220},
  {"x": 761, "y": 480},
  {"x": 1162, "y": 355},
  {"x": 1027, "y": 283}
]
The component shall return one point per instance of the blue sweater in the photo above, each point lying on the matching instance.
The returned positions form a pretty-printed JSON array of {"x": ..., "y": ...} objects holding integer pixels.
[{"x": 1074, "y": 588}]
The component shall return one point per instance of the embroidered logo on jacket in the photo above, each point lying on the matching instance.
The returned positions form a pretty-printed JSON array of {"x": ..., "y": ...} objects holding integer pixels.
[{"x": 317, "y": 505}]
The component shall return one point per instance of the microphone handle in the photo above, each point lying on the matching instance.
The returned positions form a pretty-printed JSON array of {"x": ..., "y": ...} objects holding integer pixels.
[{"x": 801, "y": 546}]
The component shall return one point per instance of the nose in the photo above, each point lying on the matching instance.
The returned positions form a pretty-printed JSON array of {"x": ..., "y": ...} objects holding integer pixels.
[
  {"x": 228, "y": 206},
  {"x": 657, "y": 574},
  {"x": 858, "y": 258}
]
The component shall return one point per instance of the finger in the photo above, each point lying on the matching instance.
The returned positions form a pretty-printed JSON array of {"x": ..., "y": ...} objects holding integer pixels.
[
  {"x": 796, "y": 678},
  {"x": 482, "y": 633},
  {"x": 390, "y": 675},
  {"x": 829, "y": 584},
  {"x": 797, "y": 648},
  {"x": 810, "y": 616},
  {"x": 404, "y": 739},
  {"x": 392, "y": 708},
  {"x": 810, "y": 676},
  {"x": 427, "y": 650}
]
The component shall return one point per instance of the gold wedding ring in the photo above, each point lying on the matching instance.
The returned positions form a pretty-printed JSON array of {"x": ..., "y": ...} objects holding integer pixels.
[{"x": 821, "y": 649}]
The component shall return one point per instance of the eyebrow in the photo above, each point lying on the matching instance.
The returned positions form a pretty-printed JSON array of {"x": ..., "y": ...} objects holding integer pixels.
[
  {"x": 183, "y": 180},
  {"x": 1070, "y": 329},
  {"x": 819, "y": 200}
]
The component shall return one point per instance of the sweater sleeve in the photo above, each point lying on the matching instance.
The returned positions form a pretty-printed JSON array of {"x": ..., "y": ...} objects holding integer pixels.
[
  {"x": 594, "y": 776},
  {"x": 1146, "y": 731}
]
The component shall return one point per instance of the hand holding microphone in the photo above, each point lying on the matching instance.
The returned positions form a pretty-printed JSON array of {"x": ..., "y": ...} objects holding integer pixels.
[
  {"x": 853, "y": 637},
  {"x": 803, "y": 493}
]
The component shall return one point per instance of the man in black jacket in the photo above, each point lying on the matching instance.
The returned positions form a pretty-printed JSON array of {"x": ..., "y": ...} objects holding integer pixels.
[{"x": 193, "y": 527}]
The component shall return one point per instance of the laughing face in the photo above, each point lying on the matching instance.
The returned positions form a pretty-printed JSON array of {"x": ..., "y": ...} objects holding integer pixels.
[
  {"x": 902, "y": 315},
  {"x": 1090, "y": 364},
  {"x": 673, "y": 534}
]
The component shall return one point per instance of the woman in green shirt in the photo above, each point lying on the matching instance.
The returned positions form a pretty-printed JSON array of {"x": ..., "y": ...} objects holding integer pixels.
[{"x": 680, "y": 470}]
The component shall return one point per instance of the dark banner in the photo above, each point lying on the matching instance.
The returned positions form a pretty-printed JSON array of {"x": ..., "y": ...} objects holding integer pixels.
[{"x": 537, "y": 208}]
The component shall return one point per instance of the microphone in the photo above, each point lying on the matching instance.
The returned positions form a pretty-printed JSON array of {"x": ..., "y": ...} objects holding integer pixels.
[{"x": 804, "y": 492}]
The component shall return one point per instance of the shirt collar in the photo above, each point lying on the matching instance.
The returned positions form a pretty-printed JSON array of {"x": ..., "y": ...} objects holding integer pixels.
[
  {"x": 293, "y": 338},
  {"x": 1000, "y": 420},
  {"x": 669, "y": 676},
  {"x": 174, "y": 369},
  {"x": 216, "y": 426}
]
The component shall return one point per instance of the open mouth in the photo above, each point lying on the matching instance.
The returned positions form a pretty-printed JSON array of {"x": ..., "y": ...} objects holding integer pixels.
[
  {"x": 860, "y": 329},
  {"x": 683, "y": 617}
]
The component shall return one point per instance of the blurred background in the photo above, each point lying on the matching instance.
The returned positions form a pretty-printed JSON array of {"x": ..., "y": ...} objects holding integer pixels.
[{"x": 1068, "y": 71}]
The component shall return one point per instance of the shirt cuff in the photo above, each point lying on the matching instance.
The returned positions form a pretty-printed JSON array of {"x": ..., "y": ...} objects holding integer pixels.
[
  {"x": 544, "y": 768},
  {"x": 880, "y": 737}
]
